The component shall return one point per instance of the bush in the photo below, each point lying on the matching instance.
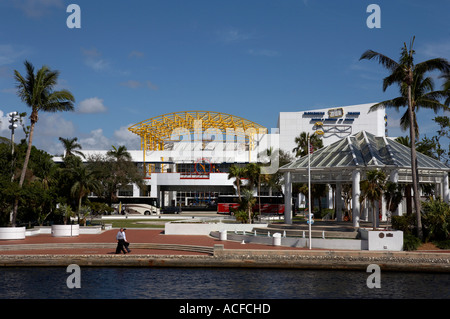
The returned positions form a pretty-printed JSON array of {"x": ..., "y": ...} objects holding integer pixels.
[
  {"x": 404, "y": 223},
  {"x": 410, "y": 242},
  {"x": 241, "y": 216},
  {"x": 436, "y": 220},
  {"x": 443, "y": 244}
]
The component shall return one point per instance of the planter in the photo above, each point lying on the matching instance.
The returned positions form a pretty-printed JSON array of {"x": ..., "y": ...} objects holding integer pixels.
[
  {"x": 11, "y": 233},
  {"x": 383, "y": 239},
  {"x": 65, "y": 230}
]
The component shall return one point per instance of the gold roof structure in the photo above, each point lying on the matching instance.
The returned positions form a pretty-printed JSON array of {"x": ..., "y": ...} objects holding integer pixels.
[{"x": 158, "y": 131}]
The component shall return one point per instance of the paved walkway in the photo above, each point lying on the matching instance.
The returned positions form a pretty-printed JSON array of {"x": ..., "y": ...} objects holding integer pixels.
[{"x": 133, "y": 236}]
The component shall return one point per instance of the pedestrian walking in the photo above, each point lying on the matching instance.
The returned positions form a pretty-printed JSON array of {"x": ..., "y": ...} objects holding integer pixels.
[{"x": 122, "y": 243}]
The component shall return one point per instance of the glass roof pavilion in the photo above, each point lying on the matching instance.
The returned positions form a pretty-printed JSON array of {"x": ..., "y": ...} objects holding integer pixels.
[{"x": 347, "y": 160}]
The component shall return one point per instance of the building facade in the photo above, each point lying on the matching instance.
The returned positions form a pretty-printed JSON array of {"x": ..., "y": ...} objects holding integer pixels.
[{"x": 186, "y": 157}]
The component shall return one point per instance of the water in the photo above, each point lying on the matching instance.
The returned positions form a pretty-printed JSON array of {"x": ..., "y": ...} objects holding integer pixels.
[{"x": 200, "y": 283}]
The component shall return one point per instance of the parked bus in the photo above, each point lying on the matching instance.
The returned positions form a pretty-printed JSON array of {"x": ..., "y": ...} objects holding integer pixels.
[{"x": 227, "y": 204}]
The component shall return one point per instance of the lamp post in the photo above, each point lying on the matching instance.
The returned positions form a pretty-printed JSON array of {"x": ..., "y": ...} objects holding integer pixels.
[
  {"x": 14, "y": 117},
  {"x": 318, "y": 132}
]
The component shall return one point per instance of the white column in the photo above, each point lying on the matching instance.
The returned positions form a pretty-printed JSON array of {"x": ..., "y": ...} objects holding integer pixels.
[
  {"x": 287, "y": 198},
  {"x": 338, "y": 204},
  {"x": 394, "y": 178},
  {"x": 445, "y": 190},
  {"x": 356, "y": 177},
  {"x": 330, "y": 200}
]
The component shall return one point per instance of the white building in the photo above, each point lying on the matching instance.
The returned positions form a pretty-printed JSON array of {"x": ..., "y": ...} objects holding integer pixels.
[
  {"x": 338, "y": 122},
  {"x": 186, "y": 156}
]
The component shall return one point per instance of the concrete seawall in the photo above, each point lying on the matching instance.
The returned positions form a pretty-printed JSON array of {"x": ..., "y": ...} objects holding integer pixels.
[{"x": 281, "y": 259}]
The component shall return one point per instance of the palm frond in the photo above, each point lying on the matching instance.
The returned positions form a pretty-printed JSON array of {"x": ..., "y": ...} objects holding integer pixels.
[{"x": 384, "y": 60}]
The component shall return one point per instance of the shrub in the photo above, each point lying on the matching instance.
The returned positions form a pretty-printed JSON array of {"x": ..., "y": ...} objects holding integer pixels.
[
  {"x": 410, "y": 242},
  {"x": 404, "y": 223},
  {"x": 241, "y": 216},
  {"x": 436, "y": 220},
  {"x": 443, "y": 244}
]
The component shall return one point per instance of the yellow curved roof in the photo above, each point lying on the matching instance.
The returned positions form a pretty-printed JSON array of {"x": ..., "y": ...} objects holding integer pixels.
[{"x": 156, "y": 131}]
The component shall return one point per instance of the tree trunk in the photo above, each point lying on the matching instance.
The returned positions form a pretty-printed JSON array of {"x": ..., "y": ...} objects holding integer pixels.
[
  {"x": 414, "y": 169},
  {"x": 33, "y": 118}
]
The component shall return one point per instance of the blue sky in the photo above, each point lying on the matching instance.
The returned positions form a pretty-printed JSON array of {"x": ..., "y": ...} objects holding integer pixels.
[{"x": 133, "y": 60}]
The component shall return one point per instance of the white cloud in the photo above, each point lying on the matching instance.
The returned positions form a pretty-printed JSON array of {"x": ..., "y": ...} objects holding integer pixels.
[
  {"x": 10, "y": 54},
  {"x": 123, "y": 136},
  {"x": 136, "y": 54},
  {"x": 94, "y": 60},
  {"x": 92, "y": 105},
  {"x": 37, "y": 8},
  {"x": 436, "y": 50},
  {"x": 96, "y": 140},
  {"x": 233, "y": 35},
  {"x": 132, "y": 84}
]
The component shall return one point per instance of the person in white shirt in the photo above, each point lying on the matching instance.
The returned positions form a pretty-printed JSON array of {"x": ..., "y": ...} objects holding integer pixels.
[{"x": 122, "y": 244}]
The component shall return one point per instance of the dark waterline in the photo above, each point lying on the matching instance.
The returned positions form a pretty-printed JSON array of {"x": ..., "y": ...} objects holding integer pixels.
[{"x": 195, "y": 283}]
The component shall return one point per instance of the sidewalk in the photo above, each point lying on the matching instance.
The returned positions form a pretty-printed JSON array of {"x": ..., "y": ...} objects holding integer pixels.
[{"x": 155, "y": 236}]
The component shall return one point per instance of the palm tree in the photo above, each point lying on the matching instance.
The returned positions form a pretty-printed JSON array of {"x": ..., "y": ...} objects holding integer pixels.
[
  {"x": 372, "y": 189},
  {"x": 71, "y": 146},
  {"x": 253, "y": 173},
  {"x": 246, "y": 202},
  {"x": 410, "y": 78},
  {"x": 84, "y": 182},
  {"x": 238, "y": 173},
  {"x": 446, "y": 88},
  {"x": 120, "y": 153},
  {"x": 302, "y": 144},
  {"x": 36, "y": 90}
]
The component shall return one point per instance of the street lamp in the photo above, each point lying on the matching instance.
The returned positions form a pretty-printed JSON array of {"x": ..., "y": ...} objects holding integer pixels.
[
  {"x": 318, "y": 132},
  {"x": 14, "y": 117}
]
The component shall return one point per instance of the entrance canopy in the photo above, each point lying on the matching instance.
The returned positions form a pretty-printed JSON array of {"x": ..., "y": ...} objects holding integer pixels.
[
  {"x": 364, "y": 151},
  {"x": 347, "y": 160}
]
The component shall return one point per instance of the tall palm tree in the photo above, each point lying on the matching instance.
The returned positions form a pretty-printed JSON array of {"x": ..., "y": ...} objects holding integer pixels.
[
  {"x": 253, "y": 173},
  {"x": 372, "y": 189},
  {"x": 37, "y": 91},
  {"x": 71, "y": 146},
  {"x": 119, "y": 153},
  {"x": 446, "y": 88},
  {"x": 407, "y": 76},
  {"x": 302, "y": 144},
  {"x": 238, "y": 173},
  {"x": 84, "y": 182}
]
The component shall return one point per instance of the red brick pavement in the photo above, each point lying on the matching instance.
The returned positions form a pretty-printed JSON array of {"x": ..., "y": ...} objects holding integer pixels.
[{"x": 133, "y": 236}]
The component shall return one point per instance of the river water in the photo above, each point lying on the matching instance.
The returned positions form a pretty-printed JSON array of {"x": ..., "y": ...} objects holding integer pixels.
[{"x": 217, "y": 283}]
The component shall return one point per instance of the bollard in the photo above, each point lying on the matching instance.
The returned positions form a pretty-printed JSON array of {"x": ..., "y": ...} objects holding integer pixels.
[
  {"x": 276, "y": 239},
  {"x": 223, "y": 235}
]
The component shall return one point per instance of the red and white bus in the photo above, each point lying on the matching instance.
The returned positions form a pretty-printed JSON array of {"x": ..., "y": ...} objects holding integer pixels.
[{"x": 226, "y": 204}]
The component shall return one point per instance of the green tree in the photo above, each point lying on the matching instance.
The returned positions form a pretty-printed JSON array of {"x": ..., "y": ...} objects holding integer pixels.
[
  {"x": 37, "y": 91},
  {"x": 71, "y": 146},
  {"x": 247, "y": 202},
  {"x": 120, "y": 153},
  {"x": 84, "y": 182},
  {"x": 113, "y": 171},
  {"x": 415, "y": 88},
  {"x": 238, "y": 173},
  {"x": 436, "y": 220},
  {"x": 253, "y": 173},
  {"x": 372, "y": 189},
  {"x": 302, "y": 144}
]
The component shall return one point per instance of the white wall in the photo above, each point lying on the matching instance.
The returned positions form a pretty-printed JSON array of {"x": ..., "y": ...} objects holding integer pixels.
[{"x": 291, "y": 124}]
